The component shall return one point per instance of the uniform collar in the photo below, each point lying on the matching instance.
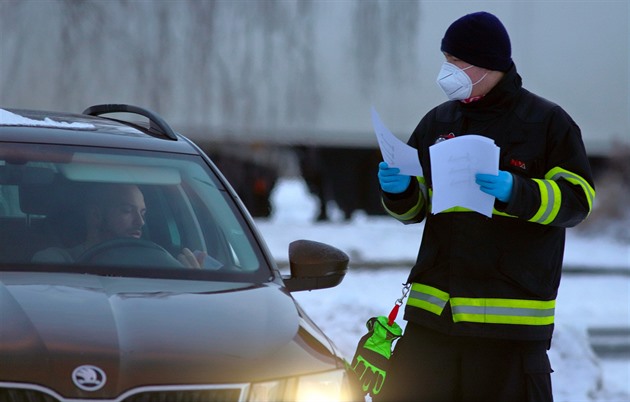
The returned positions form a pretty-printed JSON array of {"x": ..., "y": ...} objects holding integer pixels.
[{"x": 499, "y": 100}]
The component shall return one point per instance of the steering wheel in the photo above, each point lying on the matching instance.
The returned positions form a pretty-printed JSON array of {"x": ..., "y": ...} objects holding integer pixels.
[{"x": 129, "y": 251}]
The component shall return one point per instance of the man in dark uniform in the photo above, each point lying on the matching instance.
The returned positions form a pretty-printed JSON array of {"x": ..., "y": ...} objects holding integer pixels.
[{"x": 480, "y": 311}]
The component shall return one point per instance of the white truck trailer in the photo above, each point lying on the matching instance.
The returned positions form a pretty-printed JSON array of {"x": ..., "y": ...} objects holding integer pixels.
[{"x": 255, "y": 81}]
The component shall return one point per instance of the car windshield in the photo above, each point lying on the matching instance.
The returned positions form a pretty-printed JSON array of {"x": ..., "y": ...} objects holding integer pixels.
[{"x": 87, "y": 209}]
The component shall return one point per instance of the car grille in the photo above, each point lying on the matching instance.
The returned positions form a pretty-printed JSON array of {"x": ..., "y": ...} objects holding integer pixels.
[
  {"x": 20, "y": 395},
  {"x": 216, "y": 395}
]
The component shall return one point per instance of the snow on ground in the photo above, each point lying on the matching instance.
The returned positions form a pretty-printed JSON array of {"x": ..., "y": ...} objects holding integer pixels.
[
  {"x": 583, "y": 301},
  {"x": 376, "y": 239}
]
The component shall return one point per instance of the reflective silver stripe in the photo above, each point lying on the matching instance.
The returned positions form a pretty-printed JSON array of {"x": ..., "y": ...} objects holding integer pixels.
[
  {"x": 428, "y": 298},
  {"x": 575, "y": 179},
  {"x": 423, "y": 187},
  {"x": 504, "y": 311},
  {"x": 548, "y": 199}
]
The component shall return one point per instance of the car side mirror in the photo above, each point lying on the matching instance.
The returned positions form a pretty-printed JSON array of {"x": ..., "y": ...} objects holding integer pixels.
[{"x": 315, "y": 265}]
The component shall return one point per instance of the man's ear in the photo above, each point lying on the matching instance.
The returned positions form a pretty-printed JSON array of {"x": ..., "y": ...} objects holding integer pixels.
[{"x": 94, "y": 216}]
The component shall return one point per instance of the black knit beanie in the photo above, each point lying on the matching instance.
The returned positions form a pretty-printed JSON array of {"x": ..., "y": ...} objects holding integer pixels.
[{"x": 479, "y": 39}]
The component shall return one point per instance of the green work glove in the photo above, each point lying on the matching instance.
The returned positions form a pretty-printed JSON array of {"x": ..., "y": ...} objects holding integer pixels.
[{"x": 371, "y": 359}]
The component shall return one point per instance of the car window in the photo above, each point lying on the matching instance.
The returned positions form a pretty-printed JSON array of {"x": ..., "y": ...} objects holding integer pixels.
[{"x": 54, "y": 199}]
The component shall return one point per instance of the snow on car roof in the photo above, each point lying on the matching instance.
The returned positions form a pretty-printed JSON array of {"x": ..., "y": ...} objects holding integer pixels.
[{"x": 11, "y": 119}]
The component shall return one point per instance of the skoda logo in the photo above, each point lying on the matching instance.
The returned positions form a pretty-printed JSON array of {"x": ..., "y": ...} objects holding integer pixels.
[{"x": 89, "y": 378}]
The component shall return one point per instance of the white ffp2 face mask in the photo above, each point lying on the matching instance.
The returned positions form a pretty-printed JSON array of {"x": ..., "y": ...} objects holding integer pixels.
[{"x": 455, "y": 83}]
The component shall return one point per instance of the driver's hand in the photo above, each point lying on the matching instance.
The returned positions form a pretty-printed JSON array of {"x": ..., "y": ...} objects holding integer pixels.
[{"x": 188, "y": 259}]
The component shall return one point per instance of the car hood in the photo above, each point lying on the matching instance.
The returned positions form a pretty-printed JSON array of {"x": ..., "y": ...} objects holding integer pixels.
[{"x": 150, "y": 331}]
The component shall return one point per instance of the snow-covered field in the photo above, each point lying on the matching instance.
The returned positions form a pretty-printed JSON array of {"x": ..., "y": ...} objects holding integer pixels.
[{"x": 584, "y": 301}]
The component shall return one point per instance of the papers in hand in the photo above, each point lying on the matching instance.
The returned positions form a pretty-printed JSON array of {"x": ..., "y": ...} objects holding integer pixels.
[
  {"x": 395, "y": 152},
  {"x": 454, "y": 163}
]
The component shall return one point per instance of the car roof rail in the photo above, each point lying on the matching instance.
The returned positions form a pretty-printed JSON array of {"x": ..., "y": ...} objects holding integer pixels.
[{"x": 155, "y": 121}]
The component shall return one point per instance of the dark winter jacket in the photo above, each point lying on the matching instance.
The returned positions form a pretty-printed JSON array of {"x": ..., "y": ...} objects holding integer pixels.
[{"x": 498, "y": 277}]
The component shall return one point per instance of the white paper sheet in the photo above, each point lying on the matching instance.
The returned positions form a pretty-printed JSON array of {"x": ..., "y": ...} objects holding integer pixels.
[
  {"x": 454, "y": 163},
  {"x": 395, "y": 152}
]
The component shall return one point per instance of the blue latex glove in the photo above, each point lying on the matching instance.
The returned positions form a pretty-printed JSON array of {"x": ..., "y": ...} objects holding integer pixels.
[
  {"x": 499, "y": 186},
  {"x": 391, "y": 180}
]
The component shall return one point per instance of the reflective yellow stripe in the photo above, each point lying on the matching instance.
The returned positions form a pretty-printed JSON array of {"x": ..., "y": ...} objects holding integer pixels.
[
  {"x": 503, "y": 311},
  {"x": 427, "y": 298},
  {"x": 407, "y": 215},
  {"x": 462, "y": 209},
  {"x": 557, "y": 173},
  {"x": 495, "y": 212},
  {"x": 483, "y": 310},
  {"x": 415, "y": 209},
  {"x": 551, "y": 196},
  {"x": 550, "y": 200},
  {"x": 457, "y": 209}
]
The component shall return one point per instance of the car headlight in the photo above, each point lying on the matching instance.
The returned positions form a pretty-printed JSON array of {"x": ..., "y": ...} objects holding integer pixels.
[{"x": 321, "y": 387}]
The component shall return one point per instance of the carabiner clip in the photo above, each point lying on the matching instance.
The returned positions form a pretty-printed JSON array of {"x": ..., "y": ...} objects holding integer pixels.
[
  {"x": 394, "y": 313},
  {"x": 405, "y": 292}
]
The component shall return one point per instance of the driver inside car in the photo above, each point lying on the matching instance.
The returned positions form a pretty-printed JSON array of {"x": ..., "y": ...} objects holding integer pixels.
[{"x": 112, "y": 211}]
